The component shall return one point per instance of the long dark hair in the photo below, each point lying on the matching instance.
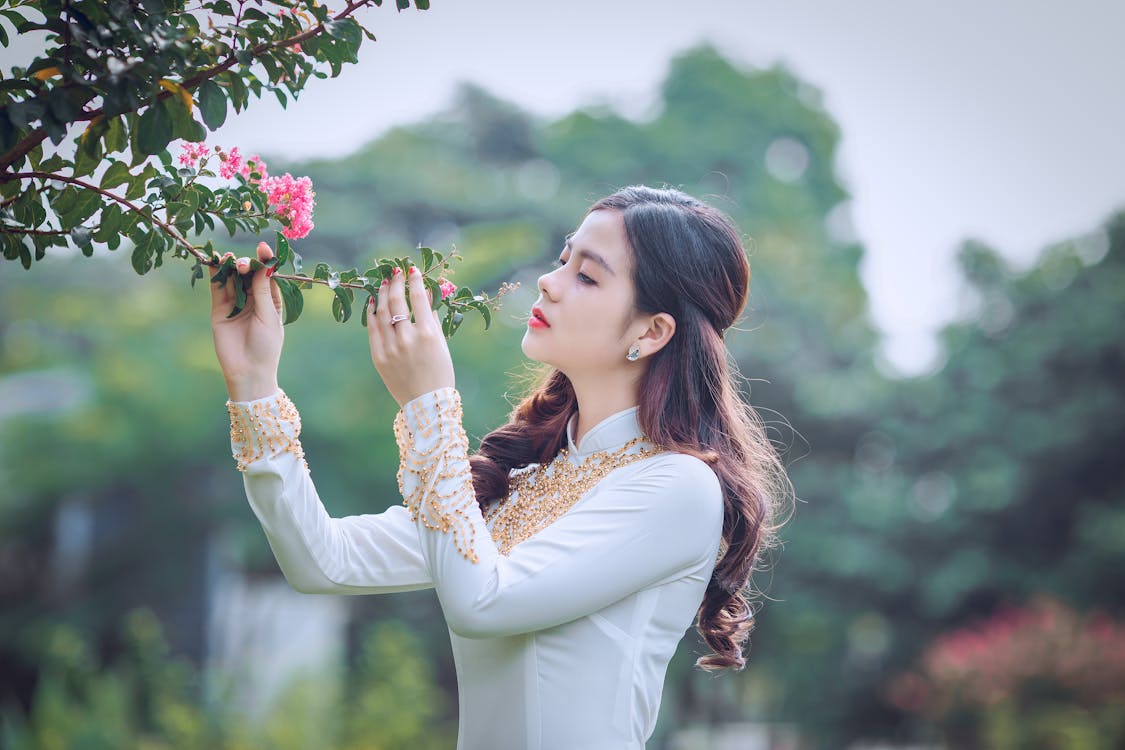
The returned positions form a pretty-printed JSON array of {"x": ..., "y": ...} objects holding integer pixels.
[{"x": 688, "y": 261}]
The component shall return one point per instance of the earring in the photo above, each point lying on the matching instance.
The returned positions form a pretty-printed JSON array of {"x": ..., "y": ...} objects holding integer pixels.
[{"x": 634, "y": 353}]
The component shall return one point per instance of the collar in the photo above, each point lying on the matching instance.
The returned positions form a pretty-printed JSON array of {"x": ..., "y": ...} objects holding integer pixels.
[{"x": 610, "y": 433}]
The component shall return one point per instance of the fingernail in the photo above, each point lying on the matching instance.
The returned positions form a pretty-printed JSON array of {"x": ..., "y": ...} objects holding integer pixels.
[
  {"x": 270, "y": 270},
  {"x": 397, "y": 271},
  {"x": 413, "y": 270},
  {"x": 384, "y": 282}
]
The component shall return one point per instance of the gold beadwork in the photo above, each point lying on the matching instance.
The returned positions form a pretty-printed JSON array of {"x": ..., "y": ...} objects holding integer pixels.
[
  {"x": 540, "y": 496},
  {"x": 265, "y": 428},
  {"x": 435, "y": 453}
]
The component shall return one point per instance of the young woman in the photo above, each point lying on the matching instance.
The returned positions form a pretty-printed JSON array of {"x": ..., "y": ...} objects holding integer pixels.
[{"x": 628, "y": 495}]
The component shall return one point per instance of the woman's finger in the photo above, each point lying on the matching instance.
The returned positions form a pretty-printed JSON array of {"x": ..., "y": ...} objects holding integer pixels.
[
  {"x": 262, "y": 287},
  {"x": 374, "y": 331},
  {"x": 420, "y": 300},
  {"x": 396, "y": 298}
]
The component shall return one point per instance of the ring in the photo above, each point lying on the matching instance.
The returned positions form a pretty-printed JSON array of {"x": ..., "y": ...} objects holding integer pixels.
[{"x": 399, "y": 318}]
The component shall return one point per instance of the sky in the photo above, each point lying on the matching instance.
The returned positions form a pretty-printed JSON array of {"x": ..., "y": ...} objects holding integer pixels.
[{"x": 1002, "y": 121}]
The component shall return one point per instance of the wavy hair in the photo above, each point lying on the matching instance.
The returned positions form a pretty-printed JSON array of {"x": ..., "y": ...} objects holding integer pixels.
[{"x": 688, "y": 261}]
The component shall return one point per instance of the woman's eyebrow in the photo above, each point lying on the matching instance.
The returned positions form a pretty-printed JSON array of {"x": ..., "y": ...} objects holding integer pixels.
[{"x": 592, "y": 256}]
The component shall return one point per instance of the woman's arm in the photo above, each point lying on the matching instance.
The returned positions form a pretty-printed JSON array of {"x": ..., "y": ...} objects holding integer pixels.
[
  {"x": 659, "y": 521},
  {"x": 318, "y": 554}
]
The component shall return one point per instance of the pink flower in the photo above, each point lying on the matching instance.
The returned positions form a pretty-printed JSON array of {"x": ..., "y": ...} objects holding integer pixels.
[
  {"x": 231, "y": 164},
  {"x": 253, "y": 164},
  {"x": 447, "y": 287},
  {"x": 192, "y": 152},
  {"x": 292, "y": 199}
]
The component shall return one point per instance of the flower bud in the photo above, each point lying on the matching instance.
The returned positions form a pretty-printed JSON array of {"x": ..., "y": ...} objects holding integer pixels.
[{"x": 247, "y": 206}]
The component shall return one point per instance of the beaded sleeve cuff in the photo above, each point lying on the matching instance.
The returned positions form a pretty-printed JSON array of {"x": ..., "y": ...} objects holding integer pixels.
[
  {"x": 434, "y": 475},
  {"x": 266, "y": 427}
]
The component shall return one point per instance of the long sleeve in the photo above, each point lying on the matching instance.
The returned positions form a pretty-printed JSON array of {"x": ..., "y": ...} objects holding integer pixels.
[
  {"x": 363, "y": 554},
  {"x": 654, "y": 521}
]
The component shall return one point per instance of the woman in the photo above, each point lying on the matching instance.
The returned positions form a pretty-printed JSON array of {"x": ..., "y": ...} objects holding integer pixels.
[{"x": 629, "y": 494}]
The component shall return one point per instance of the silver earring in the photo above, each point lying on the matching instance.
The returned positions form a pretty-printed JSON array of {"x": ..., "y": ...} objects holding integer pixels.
[{"x": 634, "y": 353}]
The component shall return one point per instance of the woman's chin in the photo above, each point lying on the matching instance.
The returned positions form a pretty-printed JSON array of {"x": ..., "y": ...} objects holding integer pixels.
[{"x": 531, "y": 348}]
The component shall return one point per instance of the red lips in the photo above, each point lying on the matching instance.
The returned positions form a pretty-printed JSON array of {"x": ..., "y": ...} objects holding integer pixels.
[{"x": 537, "y": 319}]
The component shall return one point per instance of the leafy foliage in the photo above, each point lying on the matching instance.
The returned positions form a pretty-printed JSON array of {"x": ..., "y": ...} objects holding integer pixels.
[{"x": 135, "y": 77}]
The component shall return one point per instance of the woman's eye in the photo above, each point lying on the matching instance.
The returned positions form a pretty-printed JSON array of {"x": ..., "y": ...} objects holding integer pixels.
[
  {"x": 559, "y": 263},
  {"x": 586, "y": 279}
]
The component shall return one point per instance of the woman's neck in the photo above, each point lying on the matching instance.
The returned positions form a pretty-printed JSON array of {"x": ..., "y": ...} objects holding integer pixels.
[{"x": 601, "y": 398}]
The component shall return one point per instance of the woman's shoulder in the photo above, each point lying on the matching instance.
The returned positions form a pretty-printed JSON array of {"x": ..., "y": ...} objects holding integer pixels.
[{"x": 681, "y": 476}]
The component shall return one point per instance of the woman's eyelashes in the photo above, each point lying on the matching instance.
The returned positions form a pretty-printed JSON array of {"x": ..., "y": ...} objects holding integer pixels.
[{"x": 582, "y": 278}]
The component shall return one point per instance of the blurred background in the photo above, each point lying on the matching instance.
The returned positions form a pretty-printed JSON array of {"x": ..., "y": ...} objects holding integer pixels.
[{"x": 932, "y": 200}]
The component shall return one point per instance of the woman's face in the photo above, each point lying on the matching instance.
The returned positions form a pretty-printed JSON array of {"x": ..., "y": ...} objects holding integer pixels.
[{"x": 583, "y": 320}]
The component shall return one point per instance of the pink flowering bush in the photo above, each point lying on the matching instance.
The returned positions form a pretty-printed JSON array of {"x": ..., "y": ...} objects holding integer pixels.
[
  {"x": 291, "y": 199},
  {"x": 1020, "y": 676},
  {"x": 446, "y": 286}
]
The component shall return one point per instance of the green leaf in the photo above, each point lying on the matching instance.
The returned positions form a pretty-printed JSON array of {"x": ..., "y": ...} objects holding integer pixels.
[
  {"x": 117, "y": 174},
  {"x": 87, "y": 204},
  {"x": 212, "y": 104},
  {"x": 366, "y": 304},
  {"x": 342, "y": 304},
  {"x": 190, "y": 199},
  {"x": 427, "y": 259},
  {"x": 284, "y": 252},
  {"x": 239, "y": 296},
  {"x": 238, "y": 93},
  {"x": 196, "y": 273},
  {"x": 65, "y": 200},
  {"x": 116, "y": 139},
  {"x": 293, "y": 298},
  {"x": 154, "y": 131},
  {"x": 142, "y": 253}
]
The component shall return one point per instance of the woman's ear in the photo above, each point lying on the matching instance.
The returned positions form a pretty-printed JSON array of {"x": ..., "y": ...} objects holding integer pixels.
[{"x": 660, "y": 329}]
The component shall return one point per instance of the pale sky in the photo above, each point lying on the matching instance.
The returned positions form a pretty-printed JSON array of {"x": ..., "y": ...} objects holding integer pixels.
[{"x": 1003, "y": 120}]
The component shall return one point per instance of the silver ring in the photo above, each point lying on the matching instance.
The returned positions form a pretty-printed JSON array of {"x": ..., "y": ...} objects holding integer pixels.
[{"x": 399, "y": 318}]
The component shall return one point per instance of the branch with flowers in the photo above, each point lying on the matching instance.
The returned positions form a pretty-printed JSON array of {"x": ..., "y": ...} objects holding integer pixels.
[{"x": 136, "y": 76}]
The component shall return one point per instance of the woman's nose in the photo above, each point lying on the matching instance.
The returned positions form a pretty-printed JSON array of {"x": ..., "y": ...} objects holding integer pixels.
[{"x": 547, "y": 285}]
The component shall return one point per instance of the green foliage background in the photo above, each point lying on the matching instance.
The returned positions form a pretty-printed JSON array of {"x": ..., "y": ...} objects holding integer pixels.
[{"x": 924, "y": 502}]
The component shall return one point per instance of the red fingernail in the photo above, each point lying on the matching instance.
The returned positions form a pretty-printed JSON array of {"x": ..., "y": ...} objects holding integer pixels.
[
  {"x": 270, "y": 270},
  {"x": 397, "y": 271},
  {"x": 413, "y": 270}
]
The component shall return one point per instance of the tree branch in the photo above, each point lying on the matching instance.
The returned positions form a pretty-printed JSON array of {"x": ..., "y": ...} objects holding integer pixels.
[
  {"x": 9, "y": 229},
  {"x": 168, "y": 229}
]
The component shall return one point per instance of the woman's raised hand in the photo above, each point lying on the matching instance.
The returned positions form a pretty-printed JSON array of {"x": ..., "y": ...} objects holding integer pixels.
[
  {"x": 249, "y": 344},
  {"x": 411, "y": 356}
]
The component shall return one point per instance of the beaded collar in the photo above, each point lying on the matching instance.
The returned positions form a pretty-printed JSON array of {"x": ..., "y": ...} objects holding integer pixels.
[{"x": 540, "y": 495}]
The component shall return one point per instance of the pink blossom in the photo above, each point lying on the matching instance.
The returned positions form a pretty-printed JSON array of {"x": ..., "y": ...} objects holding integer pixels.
[
  {"x": 292, "y": 199},
  {"x": 253, "y": 164},
  {"x": 192, "y": 152},
  {"x": 231, "y": 164},
  {"x": 447, "y": 287}
]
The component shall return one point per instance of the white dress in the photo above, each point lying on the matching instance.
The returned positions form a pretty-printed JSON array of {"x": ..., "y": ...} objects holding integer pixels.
[{"x": 561, "y": 644}]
